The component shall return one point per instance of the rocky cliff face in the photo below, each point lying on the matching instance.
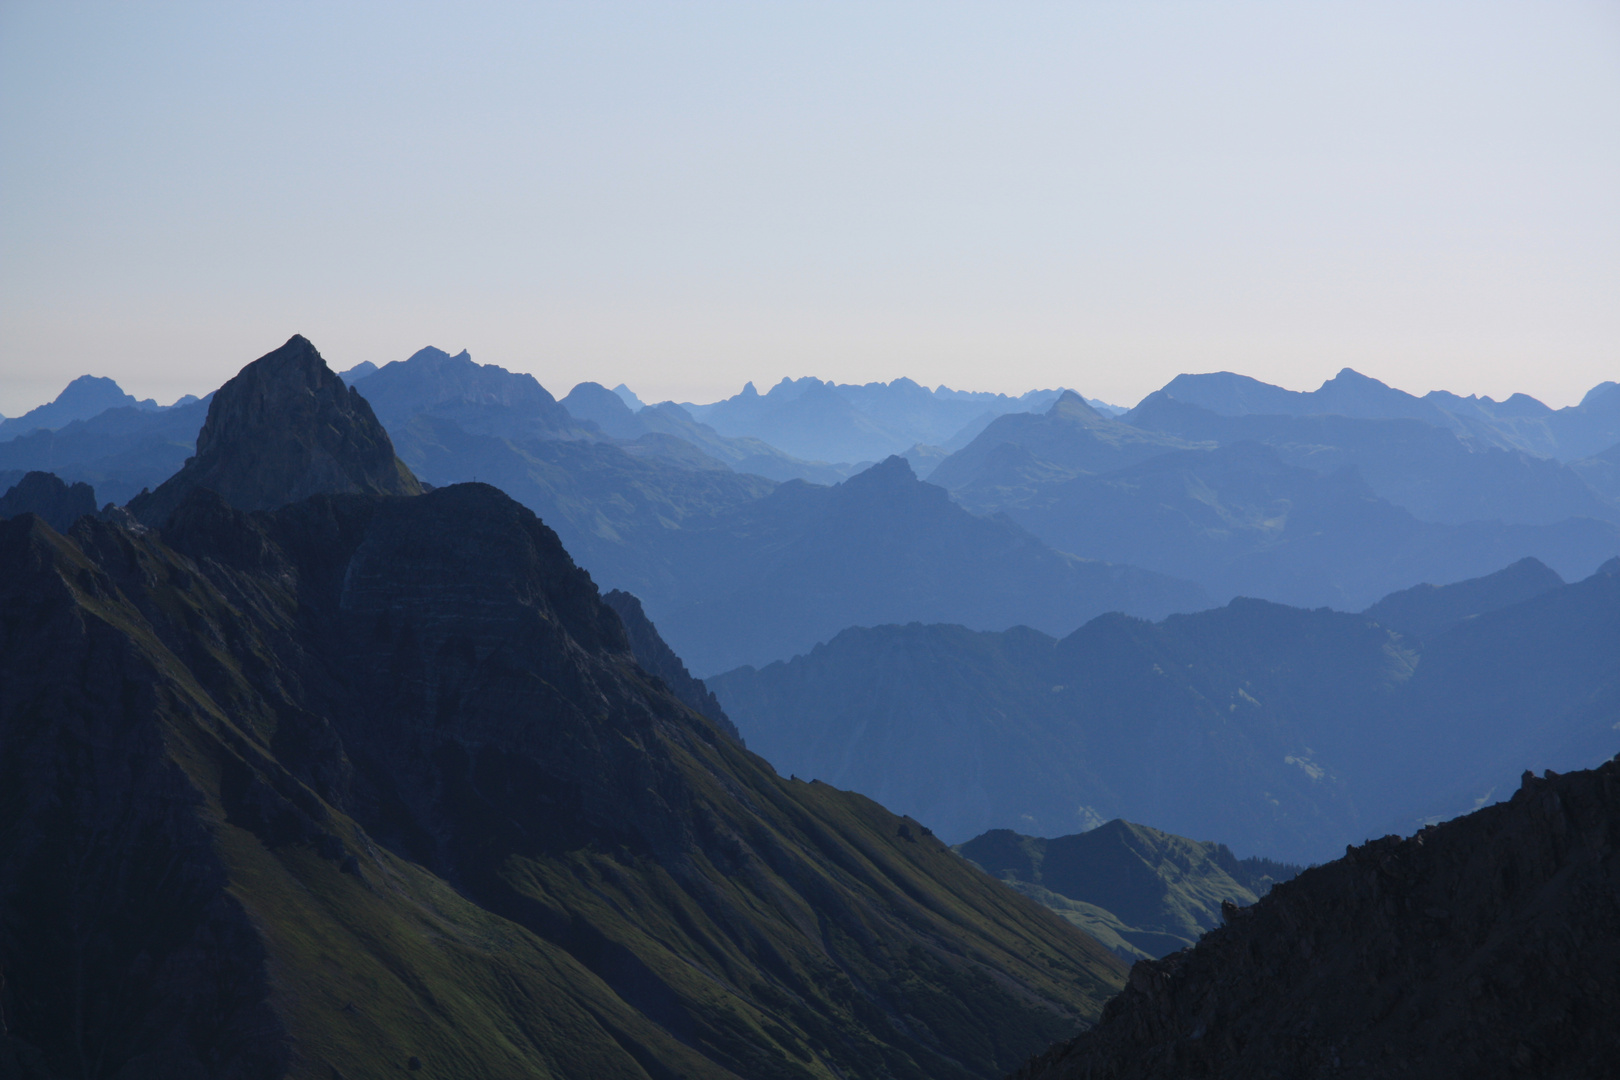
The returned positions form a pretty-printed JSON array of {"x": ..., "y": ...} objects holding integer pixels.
[
  {"x": 654, "y": 655},
  {"x": 1486, "y": 946},
  {"x": 283, "y": 429}
]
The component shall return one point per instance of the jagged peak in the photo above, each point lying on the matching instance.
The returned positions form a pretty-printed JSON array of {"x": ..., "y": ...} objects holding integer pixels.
[{"x": 284, "y": 428}]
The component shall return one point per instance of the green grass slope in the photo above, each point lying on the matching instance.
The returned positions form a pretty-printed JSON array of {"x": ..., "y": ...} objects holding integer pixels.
[{"x": 235, "y": 843}]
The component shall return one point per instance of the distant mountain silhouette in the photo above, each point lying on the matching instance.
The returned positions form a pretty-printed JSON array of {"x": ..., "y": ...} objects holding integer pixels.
[
  {"x": 1142, "y": 892},
  {"x": 1426, "y": 611},
  {"x": 616, "y": 512},
  {"x": 806, "y": 418},
  {"x": 358, "y": 372},
  {"x": 118, "y": 451},
  {"x": 668, "y": 431},
  {"x": 823, "y": 421},
  {"x": 1482, "y": 947},
  {"x": 1438, "y": 473},
  {"x": 46, "y": 495},
  {"x": 1070, "y": 436},
  {"x": 1283, "y": 731},
  {"x": 1241, "y": 522},
  {"x": 1521, "y": 421},
  {"x": 84, "y": 397},
  {"x": 602, "y": 407},
  {"x": 482, "y": 399},
  {"x": 284, "y": 428},
  {"x": 769, "y": 578}
]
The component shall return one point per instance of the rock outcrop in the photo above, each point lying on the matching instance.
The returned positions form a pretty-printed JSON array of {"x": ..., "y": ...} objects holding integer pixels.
[
  {"x": 1486, "y": 946},
  {"x": 46, "y": 494},
  {"x": 285, "y": 428},
  {"x": 655, "y": 655}
]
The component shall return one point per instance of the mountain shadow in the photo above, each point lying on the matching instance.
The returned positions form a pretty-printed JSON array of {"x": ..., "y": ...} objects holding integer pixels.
[
  {"x": 657, "y": 658},
  {"x": 1484, "y": 946}
]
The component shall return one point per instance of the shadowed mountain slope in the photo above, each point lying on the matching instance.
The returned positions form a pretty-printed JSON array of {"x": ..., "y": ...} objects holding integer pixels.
[
  {"x": 1143, "y": 892},
  {"x": 657, "y": 658},
  {"x": 1424, "y": 611},
  {"x": 371, "y": 782},
  {"x": 46, "y": 495},
  {"x": 284, "y": 428},
  {"x": 1487, "y": 946}
]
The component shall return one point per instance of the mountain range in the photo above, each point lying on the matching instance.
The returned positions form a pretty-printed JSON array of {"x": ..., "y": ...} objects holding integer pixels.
[
  {"x": 315, "y": 768},
  {"x": 1224, "y": 483},
  {"x": 374, "y": 781},
  {"x": 1283, "y": 731},
  {"x": 1567, "y": 434},
  {"x": 822, "y": 420}
]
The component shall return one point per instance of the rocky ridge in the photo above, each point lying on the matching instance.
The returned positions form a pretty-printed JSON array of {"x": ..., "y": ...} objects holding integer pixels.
[{"x": 1486, "y": 946}]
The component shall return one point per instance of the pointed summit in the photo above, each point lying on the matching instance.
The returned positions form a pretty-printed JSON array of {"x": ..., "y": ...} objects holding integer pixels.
[
  {"x": 283, "y": 429},
  {"x": 1070, "y": 403}
]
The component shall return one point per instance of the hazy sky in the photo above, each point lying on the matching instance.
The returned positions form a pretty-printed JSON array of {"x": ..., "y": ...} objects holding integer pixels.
[{"x": 686, "y": 196}]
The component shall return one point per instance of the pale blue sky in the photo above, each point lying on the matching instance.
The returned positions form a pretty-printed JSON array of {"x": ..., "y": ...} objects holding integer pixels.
[{"x": 684, "y": 197}]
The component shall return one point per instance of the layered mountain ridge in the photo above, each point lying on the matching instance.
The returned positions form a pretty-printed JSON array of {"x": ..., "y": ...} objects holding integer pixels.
[{"x": 1283, "y": 731}]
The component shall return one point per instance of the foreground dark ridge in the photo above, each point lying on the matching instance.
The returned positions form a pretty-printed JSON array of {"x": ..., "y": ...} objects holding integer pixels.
[
  {"x": 1487, "y": 946},
  {"x": 317, "y": 791}
]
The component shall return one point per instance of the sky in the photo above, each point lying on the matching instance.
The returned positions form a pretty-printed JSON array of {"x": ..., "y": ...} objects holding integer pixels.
[{"x": 683, "y": 197}]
